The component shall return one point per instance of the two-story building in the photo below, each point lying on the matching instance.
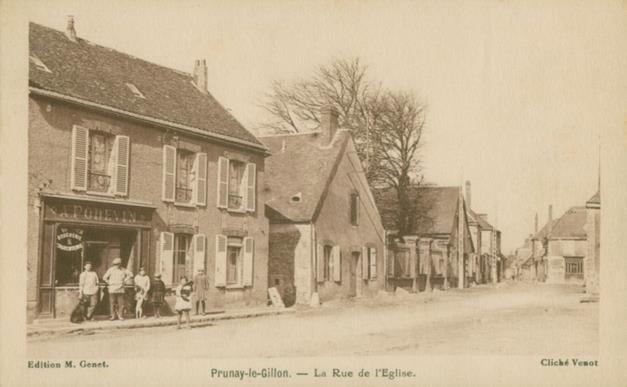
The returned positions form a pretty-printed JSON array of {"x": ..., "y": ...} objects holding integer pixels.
[
  {"x": 134, "y": 160},
  {"x": 326, "y": 236}
]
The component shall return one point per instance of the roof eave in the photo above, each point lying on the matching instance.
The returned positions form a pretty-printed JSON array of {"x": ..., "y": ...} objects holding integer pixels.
[{"x": 151, "y": 120}]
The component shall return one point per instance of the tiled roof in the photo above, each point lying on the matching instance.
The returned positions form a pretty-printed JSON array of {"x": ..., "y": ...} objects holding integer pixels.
[
  {"x": 545, "y": 230},
  {"x": 436, "y": 206},
  {"x": 595, "y": 199},
  {"x": 100, "y": 75},
  {"x": 481, "y": 221},
  {"x": 570, "y": 225},
  {"x": 299, "y": 166}
]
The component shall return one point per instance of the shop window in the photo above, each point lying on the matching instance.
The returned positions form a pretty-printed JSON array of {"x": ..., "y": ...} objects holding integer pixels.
[
  {"x": 574, "y": 265},
  {"x": 100, "y": 162},
  {"x": 236, "y": 185},
  {"x": 184, "y": 176},
  {"x": 354, "y": 208}
]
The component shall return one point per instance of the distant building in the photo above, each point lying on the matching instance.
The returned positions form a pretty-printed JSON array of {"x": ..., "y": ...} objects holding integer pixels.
[
  {"x": 540, "y": 246},
  {"x": 429, "y": 255},
  {"x": 593, "y": 229},
  {"x": 525, "y": 269},
  {"x": 567, "y": 247},
  {"x": 326, "y": 235}
]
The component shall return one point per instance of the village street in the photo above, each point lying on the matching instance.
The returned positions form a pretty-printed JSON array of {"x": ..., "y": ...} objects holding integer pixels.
[{"x": 509, "y": 319}]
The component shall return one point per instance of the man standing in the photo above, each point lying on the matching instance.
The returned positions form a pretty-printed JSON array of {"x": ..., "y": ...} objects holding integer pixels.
[
  {"x": 115, "y": 278},
  {"x": 88, "y": 288},
  {"x": 201, "y": 288}
]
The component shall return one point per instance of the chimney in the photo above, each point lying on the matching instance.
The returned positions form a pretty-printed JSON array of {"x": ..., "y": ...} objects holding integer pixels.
[
  {"x": 200, "y": 75},
  {"x": 550, "y": 212},
  {"x": 70, "y": 32},
  {"x": 328, "y": 124},
  {"x": 468, "y": 194},
  {"x": 536, "y": 227}
]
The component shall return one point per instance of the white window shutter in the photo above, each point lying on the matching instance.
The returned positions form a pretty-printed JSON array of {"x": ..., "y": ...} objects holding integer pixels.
[
  {"x": 200, "y": 247},
  {"x": 251, "y": 182},
  {"x": 200, "y": 187},
  {"x": 337, "y": 264},
  {"x": 320, "y": 263},
  {"x": 169, "y": 173},
  {"x": 373, "y": 263},
  {"x": 220, "y": 261},
  {"x": 249, "y": 252},
  {"x": 80, "y": 145},
  {"x": 223, "y": 182},
  {"x": 166, "y": 257},
  {"x": 122, "y": 152},
  {"x": 365, "y": 263}
]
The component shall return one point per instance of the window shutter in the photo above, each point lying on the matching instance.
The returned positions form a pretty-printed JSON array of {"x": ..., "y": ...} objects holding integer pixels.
[
  {"x": 251, "y": 179},
  {"x": 364, "y": 263},
  {"x": 166, "y": 257},
  {"x": 200, "y": 187},
  {"x": 337, "y": 264},
  {"x": 220, "y": 261},
  {"x": 373, "y": 263},
  {"x": 320, "y": 263},
  {"x": 200, "y": 247},
  {"x": 249, "y": 251},
  {"x": 223, "y": 182},
  {"x": 80, "y": 144},
  {"x": 169, "y": 173},
  {"x": 122, "y": 151}
]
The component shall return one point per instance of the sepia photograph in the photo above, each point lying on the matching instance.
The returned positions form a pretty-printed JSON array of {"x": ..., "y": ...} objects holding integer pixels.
[{"x": 296, "y": 182}]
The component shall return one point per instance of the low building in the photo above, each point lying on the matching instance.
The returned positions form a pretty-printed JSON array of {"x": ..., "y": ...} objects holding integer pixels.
[
  {"x": 429, "y": 255},
  {"x": 525, "y": 270},
  {"x": 134, "y": 160},
  {"x": 567, "y": 247},
  {"x": 539, "y": 248},
  {"x": 326, "y": 235},
  {"x": 592, "y": 262}
]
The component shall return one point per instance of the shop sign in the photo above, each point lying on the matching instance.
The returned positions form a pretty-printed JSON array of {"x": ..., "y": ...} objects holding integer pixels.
[
  {"x": 69, "y": 239},
  {"x": 90, "y": 212}
]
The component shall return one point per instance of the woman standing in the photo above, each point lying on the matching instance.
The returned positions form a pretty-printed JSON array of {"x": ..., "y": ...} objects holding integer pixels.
[{"x": 183, "y": 302}]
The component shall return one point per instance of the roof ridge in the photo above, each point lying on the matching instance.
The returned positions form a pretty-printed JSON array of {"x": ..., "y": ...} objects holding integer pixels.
[{"x": 91, "y": 43}]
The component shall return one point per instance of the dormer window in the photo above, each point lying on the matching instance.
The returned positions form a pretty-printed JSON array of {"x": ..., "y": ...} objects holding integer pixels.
[
  {"x": 135, "y": 90},
  {"x": 39, "y": 64}
]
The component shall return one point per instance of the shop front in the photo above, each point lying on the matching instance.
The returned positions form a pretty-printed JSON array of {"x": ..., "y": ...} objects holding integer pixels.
[{"x": 77, "y": 230}]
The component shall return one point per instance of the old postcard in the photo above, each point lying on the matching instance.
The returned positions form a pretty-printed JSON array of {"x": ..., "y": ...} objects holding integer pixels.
[{"x": 313, "y": 193}]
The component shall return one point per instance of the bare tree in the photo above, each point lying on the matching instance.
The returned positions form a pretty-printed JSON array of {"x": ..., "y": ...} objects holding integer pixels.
[{"x": 387, "y": 126}]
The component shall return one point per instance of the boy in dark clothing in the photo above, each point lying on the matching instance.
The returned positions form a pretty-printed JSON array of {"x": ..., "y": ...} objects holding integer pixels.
[{"x": 157, "y": 294}]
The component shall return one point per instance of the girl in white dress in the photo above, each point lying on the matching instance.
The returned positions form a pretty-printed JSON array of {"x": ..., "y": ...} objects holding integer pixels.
[{"x": 183, "y": 302}]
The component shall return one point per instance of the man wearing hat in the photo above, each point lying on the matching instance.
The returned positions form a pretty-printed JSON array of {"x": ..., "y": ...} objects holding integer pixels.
[
  {"x": 201, "y": 288},
  {"x": 88, "y": 289},
  {"x": 157, "y": 294},
  {"x": 115, "y": 278}
]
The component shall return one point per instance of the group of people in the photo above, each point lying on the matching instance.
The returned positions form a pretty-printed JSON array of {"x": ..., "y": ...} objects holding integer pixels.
[{"x": 146, "y": 289}]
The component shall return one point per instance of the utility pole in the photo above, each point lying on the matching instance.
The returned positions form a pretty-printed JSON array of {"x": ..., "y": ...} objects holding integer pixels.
[{"x": 460, "y": 240}]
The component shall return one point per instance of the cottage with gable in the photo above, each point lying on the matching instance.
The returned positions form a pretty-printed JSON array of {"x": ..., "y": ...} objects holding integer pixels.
[
  {"x": 134, "y": 160},
  {"x": 326, "y": 236},
  {"x": 429, "y": 256},
  {"x": 567, "y": 247}
]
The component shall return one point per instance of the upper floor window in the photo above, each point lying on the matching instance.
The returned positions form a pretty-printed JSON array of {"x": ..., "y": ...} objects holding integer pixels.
[
  {"x": 184, "y": 176},
  {"x": 100, "y": 162},
  {"x": 236, "y": 185},
  {"x": 354, "y": 208}
]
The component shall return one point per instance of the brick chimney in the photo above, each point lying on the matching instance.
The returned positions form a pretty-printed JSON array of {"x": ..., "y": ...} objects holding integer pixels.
[
  {"x": 70, "y": 32},
  {"x": 328, "y": 124},
  {"x": 200, "y": 75},
  {"x": 550, "y": 212},
  {"x": 468, "y": 194}
]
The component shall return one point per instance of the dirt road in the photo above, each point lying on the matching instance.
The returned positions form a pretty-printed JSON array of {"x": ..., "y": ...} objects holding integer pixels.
[{"x": 515, "y": 319}]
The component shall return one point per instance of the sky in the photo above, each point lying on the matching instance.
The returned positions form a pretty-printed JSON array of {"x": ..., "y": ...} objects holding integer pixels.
[{"x": 518, "y": 93}]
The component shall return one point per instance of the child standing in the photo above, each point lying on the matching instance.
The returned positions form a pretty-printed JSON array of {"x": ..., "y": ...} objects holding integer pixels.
[
  {"x": 157, "y": 294},
  {"x": 142, "y": 286},
  {"x": 183, "y": 302}
]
